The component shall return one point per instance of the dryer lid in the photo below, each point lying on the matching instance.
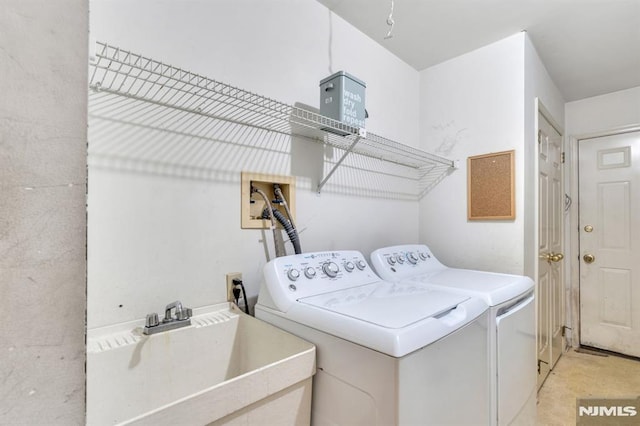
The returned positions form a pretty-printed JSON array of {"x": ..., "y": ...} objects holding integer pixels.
[
  {"x": 493, "y": 288},
  {"x": 387, "y": 304}
]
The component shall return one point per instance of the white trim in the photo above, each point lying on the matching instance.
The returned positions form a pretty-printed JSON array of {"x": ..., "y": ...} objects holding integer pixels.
[
  {"x": 610, "y": 132},
  {"x": 536, "y": 220},
  {"x": 574, "y": 244}
]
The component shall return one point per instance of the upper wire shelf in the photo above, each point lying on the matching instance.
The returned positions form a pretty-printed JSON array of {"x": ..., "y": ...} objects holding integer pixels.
[{"x": 120, "y": 72}]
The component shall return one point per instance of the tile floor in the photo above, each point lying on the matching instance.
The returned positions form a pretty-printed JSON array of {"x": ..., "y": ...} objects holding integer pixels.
[{"x": 584, "y": 374}]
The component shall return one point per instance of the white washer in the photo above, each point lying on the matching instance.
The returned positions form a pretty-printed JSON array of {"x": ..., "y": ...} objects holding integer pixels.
[
  {"x": 387, "y": 354},
  {"x": 511, "y": 333}
]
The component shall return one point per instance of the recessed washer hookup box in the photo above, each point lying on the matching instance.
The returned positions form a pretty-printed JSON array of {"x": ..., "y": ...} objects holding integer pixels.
[{"x": 342, "y": 98}]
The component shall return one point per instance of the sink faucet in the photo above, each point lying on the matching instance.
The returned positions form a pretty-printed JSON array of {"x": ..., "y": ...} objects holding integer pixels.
[{"x": 182, "y": 318}]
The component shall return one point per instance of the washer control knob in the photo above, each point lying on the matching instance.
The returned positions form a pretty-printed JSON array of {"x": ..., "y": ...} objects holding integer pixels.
[
  {"x": 331, "y": 269},
  {"x": 293, "y": 274},
  {"x": 391, "y": 260},
  {"x": 400, "y": 258},
  {"x": 423, "y": 255},
  {"x": 348, "y": 266},
  {"x": 412, "y": 258},
  {"x": 309, "y": 272},
  {"x": 361, "y": 264}
]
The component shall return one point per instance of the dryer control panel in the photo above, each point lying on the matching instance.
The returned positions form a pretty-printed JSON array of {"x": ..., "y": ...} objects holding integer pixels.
[
  {"x": 396, "y": 263},
  {"x": 289, "y": 278}
]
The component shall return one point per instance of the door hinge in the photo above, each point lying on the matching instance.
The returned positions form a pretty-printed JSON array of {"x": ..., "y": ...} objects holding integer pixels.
[
  {"x": 541, "y": 362},
  {"x": 539, "y": 136},
  {"x": 562, "y": 157}
]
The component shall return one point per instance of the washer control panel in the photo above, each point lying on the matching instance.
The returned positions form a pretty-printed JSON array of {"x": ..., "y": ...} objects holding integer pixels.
[
  {"x": 396, "y": 263},
  {"x": 290, "y": 278}
]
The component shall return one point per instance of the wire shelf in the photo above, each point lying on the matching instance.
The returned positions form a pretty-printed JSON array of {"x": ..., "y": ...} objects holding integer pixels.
[{"x": 123, "y": 73}]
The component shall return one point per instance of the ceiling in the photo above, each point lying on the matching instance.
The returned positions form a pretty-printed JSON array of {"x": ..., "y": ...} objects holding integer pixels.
[{"x": 590, "y": 47}]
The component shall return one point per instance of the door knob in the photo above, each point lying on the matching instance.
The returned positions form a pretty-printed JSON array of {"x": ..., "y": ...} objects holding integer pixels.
[
  {"x": 557, "y": 257},
  {"x": 553, "y": 257},
  {"x": 589, "y": 258}
]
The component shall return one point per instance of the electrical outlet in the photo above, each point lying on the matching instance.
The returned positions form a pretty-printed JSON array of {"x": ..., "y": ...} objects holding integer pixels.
[{"x": 230, "y": 277}]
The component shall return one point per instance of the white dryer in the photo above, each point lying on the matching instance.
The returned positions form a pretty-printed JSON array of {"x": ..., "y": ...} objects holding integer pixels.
[
  {"x": 511, "y": 332},
  {"x": 387, "y": 354}
]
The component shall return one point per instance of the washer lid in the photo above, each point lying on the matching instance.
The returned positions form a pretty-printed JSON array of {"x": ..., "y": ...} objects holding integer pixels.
[{"x": 388, "y": 304}]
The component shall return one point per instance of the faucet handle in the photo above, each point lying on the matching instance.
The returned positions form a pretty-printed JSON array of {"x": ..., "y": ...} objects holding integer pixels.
[
  {"x": 152, "y": 320},
  {"x": 183, "y": 314},
  {"x": 177, "y": 305}
]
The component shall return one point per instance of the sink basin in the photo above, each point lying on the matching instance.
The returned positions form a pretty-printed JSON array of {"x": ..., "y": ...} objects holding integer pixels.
[{"x": 227, "y": 367}]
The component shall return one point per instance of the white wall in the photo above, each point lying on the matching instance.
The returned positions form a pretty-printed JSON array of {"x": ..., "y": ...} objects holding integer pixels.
[
  {"x": 472, "y": 105},
  {"x": 164, "y": 207},
  {"x": 43, "y": 101},
  {"x": 603, "y": 113}
]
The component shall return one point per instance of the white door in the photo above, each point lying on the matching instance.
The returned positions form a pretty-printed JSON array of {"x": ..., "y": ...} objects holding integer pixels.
[
  {"x": 609, "y": 184},
  {"x": 550, "y": 285}
]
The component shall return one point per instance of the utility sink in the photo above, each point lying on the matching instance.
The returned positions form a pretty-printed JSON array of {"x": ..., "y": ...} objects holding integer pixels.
[{"x": 225, "y": 368}]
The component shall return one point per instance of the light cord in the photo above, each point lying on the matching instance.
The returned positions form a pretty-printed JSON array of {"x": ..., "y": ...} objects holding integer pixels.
[{"x": 390, "y": 22}]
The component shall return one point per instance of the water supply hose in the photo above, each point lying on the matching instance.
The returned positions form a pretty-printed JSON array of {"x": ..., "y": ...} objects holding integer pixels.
[
  {"x": 293, "y": 236},
  {"x": 278, "y": 242},
  {"x": 288, "y": 227},
  {"x": 280, "y": 196}
]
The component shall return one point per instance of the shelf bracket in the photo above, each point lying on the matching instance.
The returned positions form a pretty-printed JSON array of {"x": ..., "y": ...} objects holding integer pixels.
[{"x": 335, "y": 166}]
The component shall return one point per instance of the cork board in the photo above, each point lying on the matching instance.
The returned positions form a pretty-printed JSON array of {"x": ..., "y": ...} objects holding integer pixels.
[{"x": 491, "y": 186}]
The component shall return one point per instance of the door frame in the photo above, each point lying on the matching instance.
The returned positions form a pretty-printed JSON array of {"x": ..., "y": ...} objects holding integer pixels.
[{"x": 574, "y": 223}]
